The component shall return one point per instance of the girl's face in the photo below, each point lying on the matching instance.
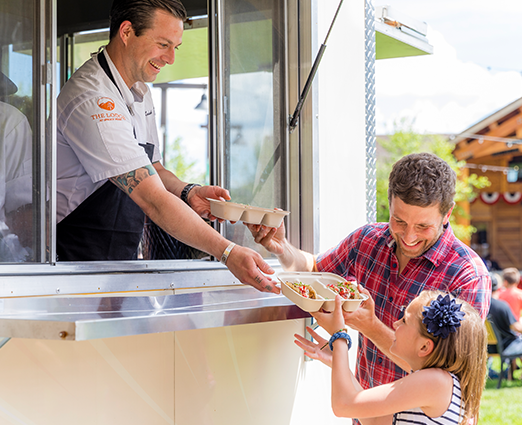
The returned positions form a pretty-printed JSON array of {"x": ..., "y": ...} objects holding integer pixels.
[{"x": 408, "y": 339}]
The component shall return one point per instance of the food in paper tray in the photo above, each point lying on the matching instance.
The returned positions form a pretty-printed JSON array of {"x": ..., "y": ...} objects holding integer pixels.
[
  {"x": 347, "y": 290},
  {"x": 319, "y": 282},
  {"x": 305, "y": 291}
]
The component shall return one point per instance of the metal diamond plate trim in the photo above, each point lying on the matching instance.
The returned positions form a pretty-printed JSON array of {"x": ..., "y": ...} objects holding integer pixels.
[{"x": 371, "y": 148}]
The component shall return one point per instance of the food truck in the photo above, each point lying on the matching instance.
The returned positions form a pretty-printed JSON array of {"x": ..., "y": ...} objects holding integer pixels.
[{"x": 173, "y": 337}]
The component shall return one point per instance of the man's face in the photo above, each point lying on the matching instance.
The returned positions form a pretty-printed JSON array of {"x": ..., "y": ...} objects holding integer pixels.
[
  {"x": 153, "y": 49},
  {"x": 415, "y": 229}
]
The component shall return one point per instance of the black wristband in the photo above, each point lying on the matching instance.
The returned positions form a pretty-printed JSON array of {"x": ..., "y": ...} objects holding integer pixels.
[{"x": 186, "y": 190}]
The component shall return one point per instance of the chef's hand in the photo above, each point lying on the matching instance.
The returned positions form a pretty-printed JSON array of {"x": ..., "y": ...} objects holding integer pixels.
[
  {"x": 363, "y": 319},
  {"x": 197, "y": 199},
  {"x": 250, "y": 268},
  {"x": 333, "y": 321},
  {"x": 271, "y": 238},
  {"x": 312, "y": 349}
]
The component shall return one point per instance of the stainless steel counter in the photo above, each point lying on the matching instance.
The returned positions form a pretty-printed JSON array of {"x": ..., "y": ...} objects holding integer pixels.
[{"x": 84, "y": 318}]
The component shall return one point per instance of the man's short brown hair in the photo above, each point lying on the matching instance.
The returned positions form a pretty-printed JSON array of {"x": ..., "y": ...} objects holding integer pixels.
[
  {"x": 140, "y": 13},
  {"x": 423, "y": 180},
  {"x": 511, "y": 275}
]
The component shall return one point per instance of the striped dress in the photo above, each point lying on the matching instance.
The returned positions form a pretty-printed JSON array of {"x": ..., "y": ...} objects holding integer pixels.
[{"x": 452, "y": 416}]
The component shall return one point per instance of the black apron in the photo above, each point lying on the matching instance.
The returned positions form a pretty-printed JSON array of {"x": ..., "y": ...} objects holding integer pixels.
[{"x": 108, "y": 225}]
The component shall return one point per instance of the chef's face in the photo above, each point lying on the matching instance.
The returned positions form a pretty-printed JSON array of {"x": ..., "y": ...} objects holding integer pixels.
[
  {"x": 153, "y": 49},
  {"x": 415, "y": 229}
]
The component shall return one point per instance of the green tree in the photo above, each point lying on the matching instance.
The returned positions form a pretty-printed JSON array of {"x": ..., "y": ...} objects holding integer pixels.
[
  {"x": 176, "y": 161},
  {"x": 405, "y": 141}
]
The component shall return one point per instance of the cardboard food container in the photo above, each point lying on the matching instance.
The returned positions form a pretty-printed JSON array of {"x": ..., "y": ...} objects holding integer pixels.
[
  {"x": 273, "y": 218},
  {"x": 232, "y": 211},
  {"x": 226, "y": 210},
  {"x": 254, "y": 215},
  {"x": 318, "y": 281}
]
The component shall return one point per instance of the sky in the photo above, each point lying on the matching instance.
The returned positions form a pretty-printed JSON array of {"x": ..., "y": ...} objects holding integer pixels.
[{"x": 475, "y": 70}]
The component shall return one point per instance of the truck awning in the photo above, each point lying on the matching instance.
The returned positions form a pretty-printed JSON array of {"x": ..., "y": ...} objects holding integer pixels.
[{"x": 398, "y": 35}]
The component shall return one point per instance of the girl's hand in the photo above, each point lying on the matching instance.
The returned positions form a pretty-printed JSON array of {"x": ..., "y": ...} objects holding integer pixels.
[
  {"x": 331, "y": 322},
  {"x": 312, "y": 349}
]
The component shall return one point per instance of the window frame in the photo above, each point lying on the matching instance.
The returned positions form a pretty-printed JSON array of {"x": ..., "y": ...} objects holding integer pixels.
[{"x": 49, "y": 277}]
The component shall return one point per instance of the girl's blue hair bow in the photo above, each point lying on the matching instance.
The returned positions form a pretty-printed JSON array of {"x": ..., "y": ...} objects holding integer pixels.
[{"x": 442, "y": 316}]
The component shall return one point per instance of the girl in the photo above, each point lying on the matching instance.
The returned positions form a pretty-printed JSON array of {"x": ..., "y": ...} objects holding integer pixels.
[{"x": 444, "y": 342}]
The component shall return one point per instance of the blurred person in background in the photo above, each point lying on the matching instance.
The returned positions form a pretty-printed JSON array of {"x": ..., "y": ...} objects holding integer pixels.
[{"x": 511, "y": 294}]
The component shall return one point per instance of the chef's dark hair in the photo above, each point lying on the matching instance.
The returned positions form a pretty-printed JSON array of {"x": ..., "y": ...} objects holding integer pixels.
[
  {"x": 423, "y": 180},
  {"x": 141, "y": 12}
]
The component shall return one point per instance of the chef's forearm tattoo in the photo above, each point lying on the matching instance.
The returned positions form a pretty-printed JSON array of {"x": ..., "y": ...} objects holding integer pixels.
[{"x": 129, "y": 181}]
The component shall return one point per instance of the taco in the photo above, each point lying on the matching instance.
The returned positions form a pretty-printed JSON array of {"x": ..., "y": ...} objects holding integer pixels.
[
  {"x": 347, "y": 290},
  {"x": 303, "y": 289}
]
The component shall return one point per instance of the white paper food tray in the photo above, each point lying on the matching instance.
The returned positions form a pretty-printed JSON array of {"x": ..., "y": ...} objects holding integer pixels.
[
  {"x": 232, "y": 211},
  {"x": 318, "y": 281}
]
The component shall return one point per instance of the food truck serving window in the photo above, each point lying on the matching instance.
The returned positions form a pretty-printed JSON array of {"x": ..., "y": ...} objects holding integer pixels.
[{"x": 220, "y": 112}]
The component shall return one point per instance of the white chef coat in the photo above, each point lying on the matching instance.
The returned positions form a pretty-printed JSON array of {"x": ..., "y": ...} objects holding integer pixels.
[
  {"x": 98, "y": 132},
  {"x": 16, "y": 190},
  {"x": 16, "y": 141}
]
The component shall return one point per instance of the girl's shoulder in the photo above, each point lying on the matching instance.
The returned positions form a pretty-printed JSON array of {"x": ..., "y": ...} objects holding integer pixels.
[
  {"x": 442, "y": 382},
  {"x": 436, "y": 376}
]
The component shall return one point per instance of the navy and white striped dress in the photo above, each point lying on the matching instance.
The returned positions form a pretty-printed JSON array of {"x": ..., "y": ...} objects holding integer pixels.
[{"x": 452, "y": 416}]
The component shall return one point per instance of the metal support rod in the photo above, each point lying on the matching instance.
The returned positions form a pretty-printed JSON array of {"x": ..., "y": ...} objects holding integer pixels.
[{"x": 295, "y": 117}]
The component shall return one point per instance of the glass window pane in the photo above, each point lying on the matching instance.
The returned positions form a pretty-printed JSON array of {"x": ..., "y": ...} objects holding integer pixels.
[
  {"x": 180, "y": 96},
  {"x": 181, "y": 100},
  {"x": 253, "y": 107},
  {"x": 17, "y": 202}
]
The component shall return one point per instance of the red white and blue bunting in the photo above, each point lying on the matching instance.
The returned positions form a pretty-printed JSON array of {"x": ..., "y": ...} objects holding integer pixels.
[
  {"x": 512, "y": 197},
  {"x": 491, "y": 198}
]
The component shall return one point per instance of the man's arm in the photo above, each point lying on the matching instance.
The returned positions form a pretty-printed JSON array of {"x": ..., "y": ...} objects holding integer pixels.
[
  {"x": 274, "y": 241},
  {"x": 171, "y": 182},
  {"x": 197, "y": 196},
  {"x": 145, "y": 187},
  {"x": 516, "y": 326}
]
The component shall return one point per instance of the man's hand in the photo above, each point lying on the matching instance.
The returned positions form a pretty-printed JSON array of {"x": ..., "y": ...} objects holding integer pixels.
[
  {"x": 269, "y": 237},
  {"x": 366, "y": 322},
  {"x": 197, "y": 199},
  {"x": 250, "y": 268},
  {"x": 274, "y": 240},
  {"x": 319, "y": 351}
]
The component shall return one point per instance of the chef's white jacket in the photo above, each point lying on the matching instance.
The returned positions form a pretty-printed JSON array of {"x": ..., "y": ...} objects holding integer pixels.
[
  {"x": 16, "y": 141},
  {"x": 99, "y": 131}
]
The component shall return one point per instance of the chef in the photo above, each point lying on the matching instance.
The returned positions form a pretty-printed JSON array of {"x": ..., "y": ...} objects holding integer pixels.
[{"x": 109, "y": 175}]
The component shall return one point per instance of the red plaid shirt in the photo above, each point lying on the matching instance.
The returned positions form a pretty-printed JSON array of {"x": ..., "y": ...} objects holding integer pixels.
[{"x": 368, "y": 256}]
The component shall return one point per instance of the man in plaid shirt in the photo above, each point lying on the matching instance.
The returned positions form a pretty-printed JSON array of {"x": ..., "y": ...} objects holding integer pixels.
[{"x": 393, "y": 262}]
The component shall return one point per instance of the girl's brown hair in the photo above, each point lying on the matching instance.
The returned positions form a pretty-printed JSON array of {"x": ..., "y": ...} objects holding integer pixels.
[{"x": 463, "y": 353}]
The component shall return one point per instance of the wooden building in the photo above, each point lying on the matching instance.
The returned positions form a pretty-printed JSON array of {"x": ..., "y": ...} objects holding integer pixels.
[{"x": 493, "y": 148}]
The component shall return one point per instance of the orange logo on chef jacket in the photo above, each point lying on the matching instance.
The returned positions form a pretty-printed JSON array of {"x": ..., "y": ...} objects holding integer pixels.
[{"x": 106, "y": 103}]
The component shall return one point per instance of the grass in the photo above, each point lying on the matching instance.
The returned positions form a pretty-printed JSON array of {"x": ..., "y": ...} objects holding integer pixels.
[{"x": 502, "y": 406}]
